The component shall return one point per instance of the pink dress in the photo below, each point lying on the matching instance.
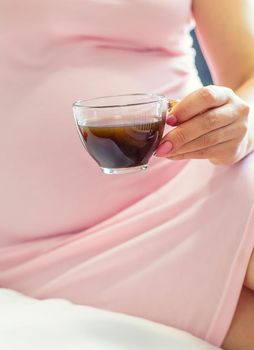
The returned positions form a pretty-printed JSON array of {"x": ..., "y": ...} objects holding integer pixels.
[{"x": 170, "y": 244}]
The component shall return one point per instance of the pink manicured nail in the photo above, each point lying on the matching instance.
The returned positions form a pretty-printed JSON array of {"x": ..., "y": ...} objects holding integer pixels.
[
  {"x": 164, "y": 148},
  {"x": 171, "y": 120}
]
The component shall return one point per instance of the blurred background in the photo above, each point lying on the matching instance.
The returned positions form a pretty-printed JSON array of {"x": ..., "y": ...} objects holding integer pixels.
[{"x": 200, "y": 62}]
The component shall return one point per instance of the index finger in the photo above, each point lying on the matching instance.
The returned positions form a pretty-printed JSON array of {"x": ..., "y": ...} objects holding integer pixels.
[{"x": 198, "y": 102}]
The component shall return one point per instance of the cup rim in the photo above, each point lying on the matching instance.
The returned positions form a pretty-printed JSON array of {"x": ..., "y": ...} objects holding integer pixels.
[{"x": 156, "y": 98}]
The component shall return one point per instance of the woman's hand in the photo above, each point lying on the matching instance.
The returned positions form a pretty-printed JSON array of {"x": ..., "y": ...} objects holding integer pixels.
[{"x": 211, "y": 123}]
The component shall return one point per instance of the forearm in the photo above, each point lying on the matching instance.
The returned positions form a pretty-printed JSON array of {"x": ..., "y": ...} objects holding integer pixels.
[{"x": 246, "y": 92}]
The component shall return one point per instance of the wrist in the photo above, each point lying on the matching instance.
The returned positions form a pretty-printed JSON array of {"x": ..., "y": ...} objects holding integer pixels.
[{"x": 250, "y": 147}]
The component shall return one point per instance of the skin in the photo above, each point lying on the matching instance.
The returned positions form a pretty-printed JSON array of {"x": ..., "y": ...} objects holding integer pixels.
[{"x": 217, "y": 122}]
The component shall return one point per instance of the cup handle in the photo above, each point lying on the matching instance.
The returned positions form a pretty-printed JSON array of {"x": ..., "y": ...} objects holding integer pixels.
[{"x": 172, "y": 104}]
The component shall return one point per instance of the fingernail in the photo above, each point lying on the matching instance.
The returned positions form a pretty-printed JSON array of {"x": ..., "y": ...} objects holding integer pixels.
[
  {"x": 163, "y": 149},
  {"x": 171, "y": 120}
]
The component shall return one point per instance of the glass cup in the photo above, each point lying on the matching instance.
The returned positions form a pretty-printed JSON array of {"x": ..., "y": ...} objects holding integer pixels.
[{"x": 122, "y": 132}]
